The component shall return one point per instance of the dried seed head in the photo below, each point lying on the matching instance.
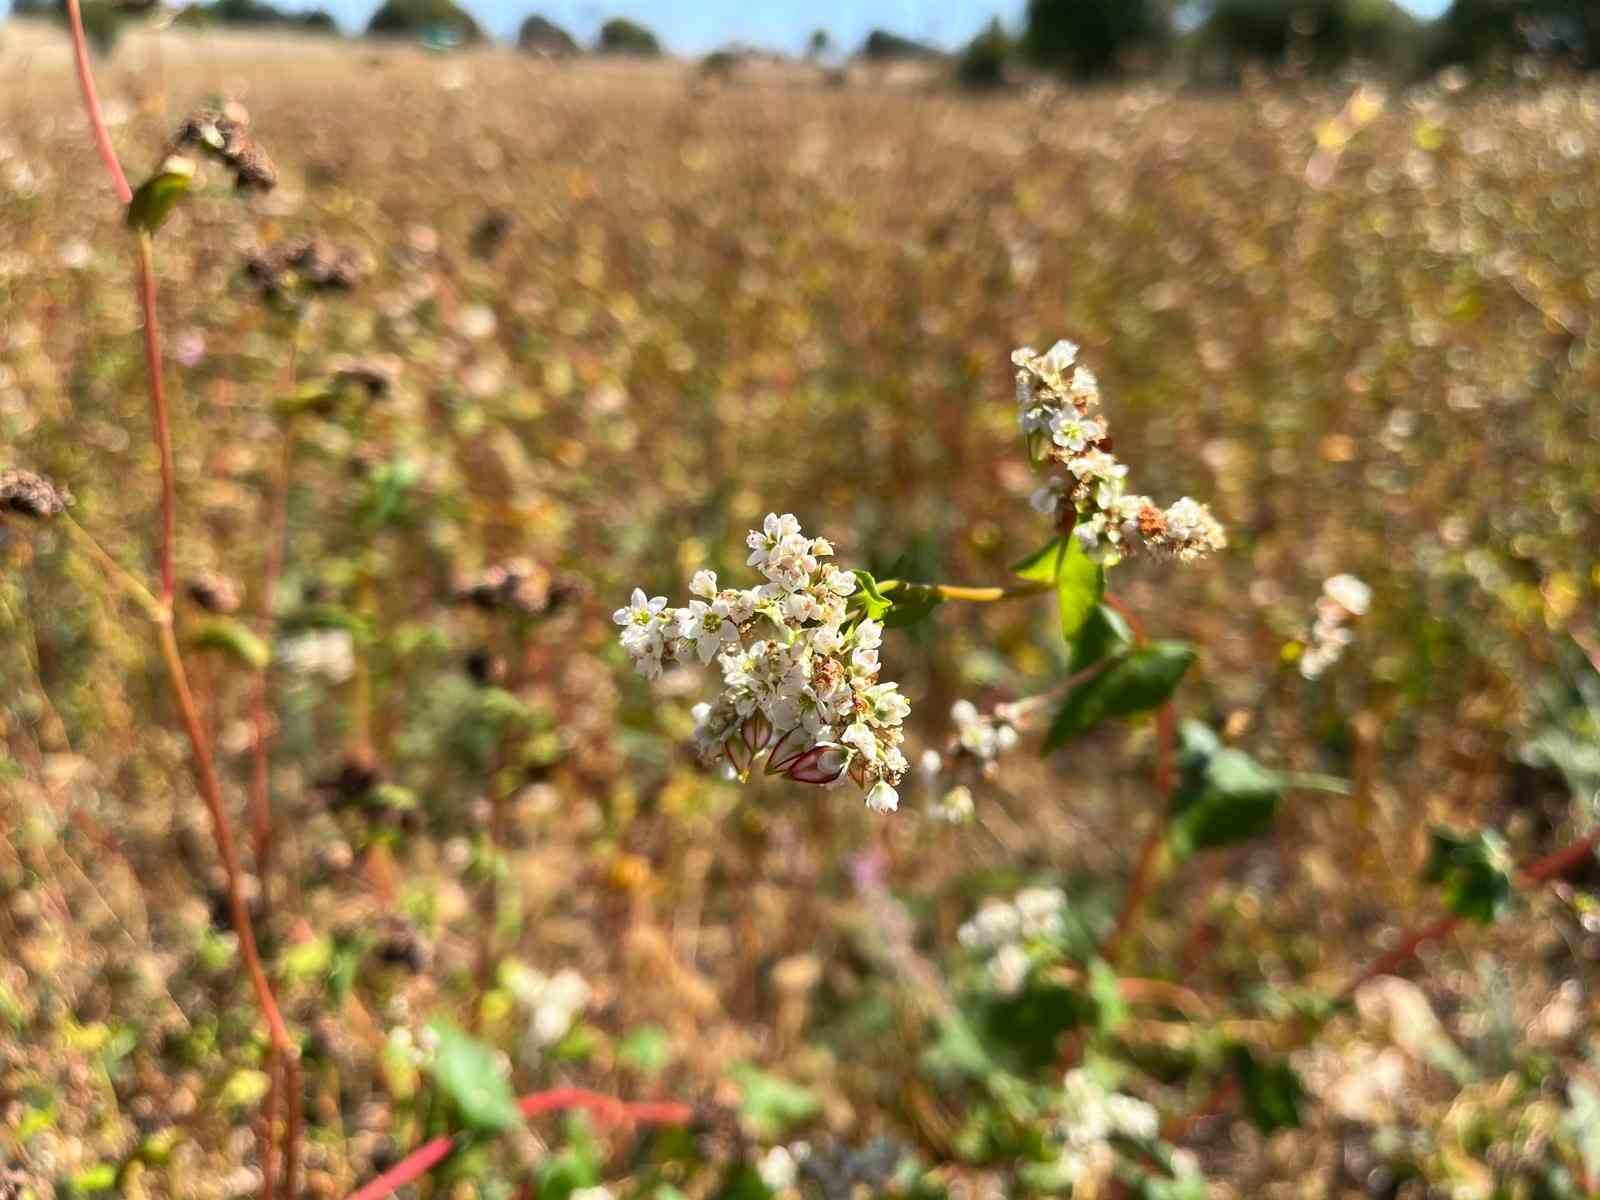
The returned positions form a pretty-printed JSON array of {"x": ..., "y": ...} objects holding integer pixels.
[
  {"x": 214, "y": 592},
  {"x": 377, "y": 375},
  {"x": 225, "y": 136},
  {"x": 490, "y": 232},
  {"x": 307, "y": 263},
  {"x": 518, "y": 584},
  {"x": 357, "y": 775},
  {"x": 31, "y": 495}
]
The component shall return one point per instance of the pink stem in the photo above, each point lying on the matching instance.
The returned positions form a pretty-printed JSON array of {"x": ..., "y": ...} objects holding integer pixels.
[
  {"x": 607, "y": 1108},
  {"x": 91, "y": 104}
]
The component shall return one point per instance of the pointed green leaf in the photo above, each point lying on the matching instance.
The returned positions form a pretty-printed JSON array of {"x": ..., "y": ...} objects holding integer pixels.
[
  {"x": 1225, "y": 796},
  {"x": 770, "y": 1105},
  {"x": 1110, "y": 1009},
  {"x": 157, "y": 196},
  {"x": 873, "y": 604},
  {"x": 232, "y": 639},
  {"x": 469, "y": 1074},
  {"x": 1135, "y": 683},
  {"x": 1272, "y": 1091},
  {"x": 1079, "y": 580},
  {"x": 1105, "y": 634},
  {"x": 1474, "y": 873}
]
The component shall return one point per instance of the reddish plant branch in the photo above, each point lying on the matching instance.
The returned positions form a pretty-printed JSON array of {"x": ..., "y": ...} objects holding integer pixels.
[
  {"x": 606, "y": 1108},
  {"x": 160, "y": 416},
  {"x": 282, "y": 1049},
  {"x": 1144, "y": 872},
  {"x": 91, "y": 104}
]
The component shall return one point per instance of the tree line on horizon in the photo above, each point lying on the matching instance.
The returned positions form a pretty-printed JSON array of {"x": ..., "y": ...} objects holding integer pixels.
[{"x": 1083, "y": 40}]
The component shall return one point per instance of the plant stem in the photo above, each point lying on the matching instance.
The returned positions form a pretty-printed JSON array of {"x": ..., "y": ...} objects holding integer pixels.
[
  {"x": 1144, "y": 872},
  {"x": 91, "y": 104},
  {"x": 606, "y": 1108},
  {"x": 205, "y": 769},
  {"x": 989, "y": 595}
]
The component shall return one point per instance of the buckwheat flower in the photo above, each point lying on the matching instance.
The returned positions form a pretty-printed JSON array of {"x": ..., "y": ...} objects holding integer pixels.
[
  {"x": 1349, "y": 593},
  {"x": 994, "y": 924},
  {"x": 883, "y": 798},
  {"x": 1009, "y": 968},
  {"x": 1072, "y": 431},
  {"x": 778, "y": 1169},
  {"x": 774, "y": 530},
  {"x": 955, "y": 807},
  {"x": 1056, "y": 396},
  {"x": 708, "y": 626},
  {"x": 1040, "y": 911},
  {"x": 1344, "y": 600}
]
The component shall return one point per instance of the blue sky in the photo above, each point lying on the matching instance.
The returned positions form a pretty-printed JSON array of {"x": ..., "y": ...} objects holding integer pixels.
[{"x": 695, "y": 26}]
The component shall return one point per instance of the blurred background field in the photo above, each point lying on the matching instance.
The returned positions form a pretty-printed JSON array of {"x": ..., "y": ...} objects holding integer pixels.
[{"x": 622, "y": 310}]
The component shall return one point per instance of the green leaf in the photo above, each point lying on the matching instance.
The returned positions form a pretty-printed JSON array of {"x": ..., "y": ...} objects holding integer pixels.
[
  {"x": 1135, "y": 683},
  {"x": 245, "y": 1089},
  {"x": 769, "y": 1106},
  {"x": 1272, "y": 1091},
  {"x": 912, "y": 604},
  {"x": 1079, "y": 580},
  {"x": 647, "y": 1050},
  {"x": 1474, "y": 872},
  {"x": 1110, "y": 1009},
  {"x": 1225, "y": 796},
  {"x": 231, "y": 638},
  {"x": 157, "y": 196},
  {"x": 101, "y": 1177},
  {"x": 743, "y": 1182},
  {"x": 873, "y": 604},
  {"x": 1105, "y": 634},
  {"x": 469, "y": 1074}
]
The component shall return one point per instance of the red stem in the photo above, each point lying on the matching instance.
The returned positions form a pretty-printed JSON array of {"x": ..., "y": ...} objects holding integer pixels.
[
  {"x": 1144, "y": 873},
  {"x": 91, "y": 104},
  {"x": 607, "y": 1108},
  {"x": 160, "y": 416}
]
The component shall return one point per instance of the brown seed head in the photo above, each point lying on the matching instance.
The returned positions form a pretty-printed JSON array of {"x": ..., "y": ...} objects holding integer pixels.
[{"x": 29, "y": 494}]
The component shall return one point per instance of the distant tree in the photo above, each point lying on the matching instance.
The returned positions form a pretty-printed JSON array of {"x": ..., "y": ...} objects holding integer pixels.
[
  {"x": 426, "y": 19},
  {"x": 103, "y": 20},
  {"x": 544, "y": 37},
  {"x": 983, "y": 63},
  {"x": 1319, "y": 35},
  {"x": 818, "y": 44},
  {"x": 622, "y": 36},
  {"x": 1482, "y": 33},
  {"x": 1091, "y": 39},
  {"x": 254, "y": 14},
  {"x": 883, "y": 46}
]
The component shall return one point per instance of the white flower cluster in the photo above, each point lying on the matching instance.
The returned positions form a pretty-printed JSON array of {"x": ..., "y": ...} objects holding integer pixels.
[
  {"x": 1058, "y": 403},
  {"x": 981, "y": 736},
  {"x": 779, "y": 1167},
  {"x": 1344, "y": 599},
  {"x": 1089, "y": 1116},
  {"x": 800, "y": 672},
  {"x": 552, "y": 1002},
  {"x": 1001, "y": 929}
]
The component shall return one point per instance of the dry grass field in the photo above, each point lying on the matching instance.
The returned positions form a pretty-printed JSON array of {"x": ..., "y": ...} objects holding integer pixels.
[{"x": 699, "y": 302}]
